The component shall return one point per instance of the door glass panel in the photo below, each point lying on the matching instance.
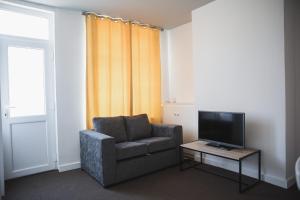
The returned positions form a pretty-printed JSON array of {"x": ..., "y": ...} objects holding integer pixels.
[{"x": 26, "y": 81}]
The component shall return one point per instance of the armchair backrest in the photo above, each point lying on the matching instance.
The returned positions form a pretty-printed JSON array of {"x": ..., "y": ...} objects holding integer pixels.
[
  {"x": 112, "y": 126},
  {"x": 124, "y": 128}
]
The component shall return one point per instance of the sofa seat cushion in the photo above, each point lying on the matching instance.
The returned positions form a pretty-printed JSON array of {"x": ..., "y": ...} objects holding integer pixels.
[
  {"x": 138, "y": 127},
  {"x": 155, "y": 144},
  {"x": 125, "y": 150},
  {"x": 112, "y": 126}
]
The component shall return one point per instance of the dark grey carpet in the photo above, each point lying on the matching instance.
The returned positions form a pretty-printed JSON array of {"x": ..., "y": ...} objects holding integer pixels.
[{"x": 169, "y": 184}]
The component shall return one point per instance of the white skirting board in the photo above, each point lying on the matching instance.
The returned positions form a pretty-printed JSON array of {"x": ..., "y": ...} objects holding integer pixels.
[
  {"x": 291, "y": 181},
  {"x": 284, "y": 183},
  {"x": 68, "y": 166}
]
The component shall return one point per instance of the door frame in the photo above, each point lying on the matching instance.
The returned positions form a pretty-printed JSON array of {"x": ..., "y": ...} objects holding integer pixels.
[
  {"x": 39, "y": 11},
  {"x": 6, "y": 41}
]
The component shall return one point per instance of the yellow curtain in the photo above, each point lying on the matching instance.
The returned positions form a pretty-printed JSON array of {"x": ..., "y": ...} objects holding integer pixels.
[
  {"x": 123, "y": 69},
  {"x": 146, "y": 74},
  {"x": 108, "y": 68}
]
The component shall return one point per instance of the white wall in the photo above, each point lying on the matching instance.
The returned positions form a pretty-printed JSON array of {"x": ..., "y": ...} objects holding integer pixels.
[
  {"x": 70, "y": 85},
  {"x": 180, "y": 66},
  {"x": 178, "y": 75},
  {"x": 164, "y": 66},
  {"x": 238, "y": 54}
]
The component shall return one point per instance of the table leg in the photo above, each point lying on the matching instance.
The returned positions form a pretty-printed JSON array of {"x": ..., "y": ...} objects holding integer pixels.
[
  {"x": 240, "y": 176},
  {"x": 259, "y": 166},
  {"x": 180, "y": 158},
  {"x": 201, "y": 157}
]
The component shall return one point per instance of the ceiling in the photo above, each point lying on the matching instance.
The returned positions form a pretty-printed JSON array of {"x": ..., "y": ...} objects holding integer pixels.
[{"x": 163, "y": 13}]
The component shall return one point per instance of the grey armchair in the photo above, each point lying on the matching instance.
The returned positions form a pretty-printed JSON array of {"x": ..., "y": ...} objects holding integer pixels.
[{"x": 121, "y": 148}]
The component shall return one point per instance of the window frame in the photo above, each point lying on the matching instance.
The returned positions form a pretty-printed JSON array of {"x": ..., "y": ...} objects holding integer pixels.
[{"x": 47, "y": 14}]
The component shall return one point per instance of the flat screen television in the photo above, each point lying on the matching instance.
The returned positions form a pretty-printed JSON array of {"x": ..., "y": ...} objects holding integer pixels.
[{"x": 222, "y": 129}]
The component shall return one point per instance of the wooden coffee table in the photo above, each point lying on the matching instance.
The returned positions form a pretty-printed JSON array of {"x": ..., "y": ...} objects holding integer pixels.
[{"x": 235, "y": 154}]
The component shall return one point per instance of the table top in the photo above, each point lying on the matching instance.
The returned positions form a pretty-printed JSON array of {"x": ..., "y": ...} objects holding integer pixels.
[{"x": 234, "y": 154}]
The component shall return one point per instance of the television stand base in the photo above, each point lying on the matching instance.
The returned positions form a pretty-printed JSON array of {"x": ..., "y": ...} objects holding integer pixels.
[{"x": 220, "y": 146}]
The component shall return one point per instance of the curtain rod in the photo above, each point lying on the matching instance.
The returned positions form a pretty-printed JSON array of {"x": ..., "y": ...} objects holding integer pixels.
[{"x": 123, "y": 20}]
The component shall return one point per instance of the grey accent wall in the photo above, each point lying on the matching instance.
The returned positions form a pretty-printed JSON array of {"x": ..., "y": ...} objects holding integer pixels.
[
  {"x": 292, "y": 83},
  {"x": 1, "y": 159},
  {"x": 297, "y": 65}
]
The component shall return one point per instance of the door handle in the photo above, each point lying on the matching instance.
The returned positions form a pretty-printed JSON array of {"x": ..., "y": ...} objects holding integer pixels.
[{"x": 7, "y": 111}]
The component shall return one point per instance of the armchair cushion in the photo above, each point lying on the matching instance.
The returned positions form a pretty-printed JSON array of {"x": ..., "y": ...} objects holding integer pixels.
[
  {"x": 112, "y": 126},
  {"x": 130, "y": 149},
  {"x": 165, "y": 130},
  {"x": 138, "y": 127},
  {"x": 155, "y": 144}
]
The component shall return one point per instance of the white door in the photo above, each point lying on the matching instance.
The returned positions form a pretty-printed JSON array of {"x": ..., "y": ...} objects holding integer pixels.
[{"x": 27, "y": 105}]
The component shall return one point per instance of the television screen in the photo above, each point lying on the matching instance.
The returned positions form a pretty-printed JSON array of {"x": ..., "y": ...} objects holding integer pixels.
[{"x": 222, "y": 128}]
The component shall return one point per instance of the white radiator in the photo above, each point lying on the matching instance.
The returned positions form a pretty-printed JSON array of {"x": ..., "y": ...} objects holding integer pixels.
[{"x": 182, "y": 114}]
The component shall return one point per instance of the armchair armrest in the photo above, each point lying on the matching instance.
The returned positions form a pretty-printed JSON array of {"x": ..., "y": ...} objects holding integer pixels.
[
  {"x": 164, "y": 130},
  {"x": 98, "y": 156}
]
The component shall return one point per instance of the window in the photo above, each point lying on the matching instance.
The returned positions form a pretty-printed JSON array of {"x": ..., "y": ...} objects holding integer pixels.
[
  {"x": 26, "y": 38},
  {"x": 23, "y": 25},
  {"x": 26, "y": 81}
]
